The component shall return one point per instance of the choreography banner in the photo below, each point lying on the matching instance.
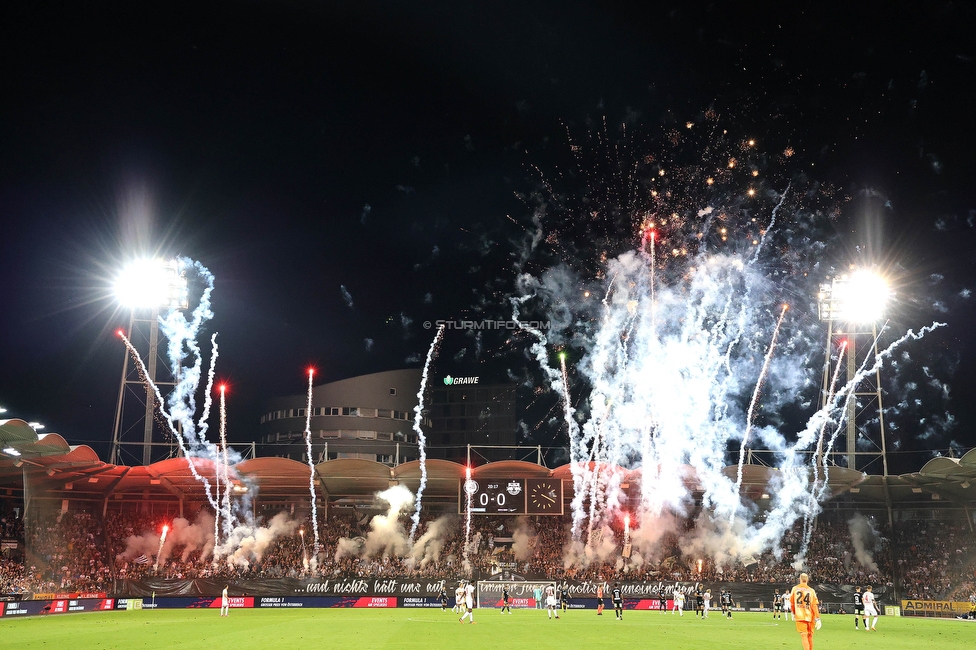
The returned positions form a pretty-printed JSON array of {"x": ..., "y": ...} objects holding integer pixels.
[
  {"x": 755, "y": 594},
  {"x": 391, "y": 587},
  {"x": 750, "y": 592}
]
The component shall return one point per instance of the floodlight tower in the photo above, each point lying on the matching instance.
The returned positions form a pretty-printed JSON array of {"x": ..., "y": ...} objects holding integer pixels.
[
  {"x": 146, "y": 288},
  {"x": 851, "y": 305}
]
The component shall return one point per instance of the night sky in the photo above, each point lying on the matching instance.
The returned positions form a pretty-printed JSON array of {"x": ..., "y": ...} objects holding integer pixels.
[{"x": 299, "y": 148}]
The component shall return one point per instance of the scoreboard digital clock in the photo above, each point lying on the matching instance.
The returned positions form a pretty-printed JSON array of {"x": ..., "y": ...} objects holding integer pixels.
[{"x": 511, "y": 496}]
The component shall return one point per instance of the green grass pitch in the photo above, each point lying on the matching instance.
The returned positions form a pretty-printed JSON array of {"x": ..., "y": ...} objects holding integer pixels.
[{"x": 427, "y": 629}]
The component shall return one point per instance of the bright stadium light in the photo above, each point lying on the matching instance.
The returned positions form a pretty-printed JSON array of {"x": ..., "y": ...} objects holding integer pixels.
[
  {"x": 151, "y": 283},
  {"x": 856, "y": 298},
  {"x": 35, "y": 425},
  {"x": 146, "y": 287}
]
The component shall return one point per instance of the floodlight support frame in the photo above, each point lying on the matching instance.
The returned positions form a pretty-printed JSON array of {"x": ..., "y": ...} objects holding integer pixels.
[{"x": 136, "y": 387}]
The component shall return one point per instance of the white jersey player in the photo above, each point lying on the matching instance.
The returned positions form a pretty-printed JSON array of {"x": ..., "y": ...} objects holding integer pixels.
[
  {"x": 224, "y": 602},
  {"x": 679, "y": 603},
  {"x": 551, "y": 602},
  {"x": 459, "y": 599},
  {"x": 870, "y": 609},
  {"x": 708, "y": 603},
  {"x": 468, "y": 603}
]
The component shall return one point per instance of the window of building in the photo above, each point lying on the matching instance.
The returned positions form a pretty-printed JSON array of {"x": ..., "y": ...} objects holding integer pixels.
[
  {"x": 350, "y": 410},
  {"x": 393, "y": 391},
  {"x": 386, "y": 459},
  {"x": 367, "y": 435}
]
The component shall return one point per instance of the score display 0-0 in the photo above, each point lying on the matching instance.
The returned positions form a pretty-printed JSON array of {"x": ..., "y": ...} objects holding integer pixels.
[{"x": 511, "y": 496}]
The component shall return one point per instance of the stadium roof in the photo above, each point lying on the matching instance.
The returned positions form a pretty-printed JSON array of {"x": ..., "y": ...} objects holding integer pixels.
[{"x": 49, "y": 466}]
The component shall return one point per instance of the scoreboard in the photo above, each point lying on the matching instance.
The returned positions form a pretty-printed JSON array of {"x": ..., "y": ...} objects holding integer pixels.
[{"x": 511, "y": 496}]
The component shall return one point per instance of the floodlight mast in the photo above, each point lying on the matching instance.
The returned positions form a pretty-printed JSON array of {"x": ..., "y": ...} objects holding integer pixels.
[
  {"x": 145, "y": 287},
  {"x": 851, "y": 305}
]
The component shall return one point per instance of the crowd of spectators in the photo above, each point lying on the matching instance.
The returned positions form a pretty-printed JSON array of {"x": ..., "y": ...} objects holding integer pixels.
[
  {"x": 81, "y": 552},
  {"x": 11, "y": 526},
  {"x": 66, "y": 554},
  {"x": 936, "y": 559}
]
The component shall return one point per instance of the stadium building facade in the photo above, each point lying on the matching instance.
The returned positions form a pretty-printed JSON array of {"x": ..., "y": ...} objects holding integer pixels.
[
  {"x": 369, "y": 417},
  {"x": 467, "y": 410}
]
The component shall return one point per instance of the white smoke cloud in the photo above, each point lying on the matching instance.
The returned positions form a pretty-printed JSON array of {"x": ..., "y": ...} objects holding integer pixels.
[
  {"x": 427, "y": 549},
  {"x": 523, "y": 539},
  {"x": 387, "y": 536},
  {"x": 247, "y": 543},
  {"x": 198, "y": 536},
  {"x": 865, "y": 538},
  {"x": 346, "y": 296},
  {"x": 602, "y": 547}
]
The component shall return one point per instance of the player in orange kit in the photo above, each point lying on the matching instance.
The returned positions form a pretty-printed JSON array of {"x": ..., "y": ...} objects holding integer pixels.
[{"x": 806, "y": 611}]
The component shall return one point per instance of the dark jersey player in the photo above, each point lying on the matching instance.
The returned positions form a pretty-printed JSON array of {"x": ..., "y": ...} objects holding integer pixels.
[
  {"x": 727, "y": 602},
  {"x": 564, "y": 597},
  {"x": 506, "y": 600},
  {"x": 443, "y": 598},
  {"x": 777, "y": 605},
  {"x": 699, "y": 600},
  {"x": 858, "y": 606},
  {"x": 617, "y": 596},
  {"x": 662, "y": 601}
]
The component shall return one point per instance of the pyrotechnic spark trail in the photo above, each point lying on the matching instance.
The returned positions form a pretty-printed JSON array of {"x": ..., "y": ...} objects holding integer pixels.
[
  {"x": 224, "y": 466},
  {"x": 418, "y": 412},
  {"x": 755, "y": 400},
  {"x": 162, "y": 540},
  {"x": 467, "y": 513},
  {"x": 311, "y": 465},
  {"x": 247, "y": 539},
  {"x": 169, "y": 419},
  {"x": 818, "y": 460},
  {"x": 663, "y": 367},
  {"x": 576, "y": 468},
  {"x": 208, "y": 400}
]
